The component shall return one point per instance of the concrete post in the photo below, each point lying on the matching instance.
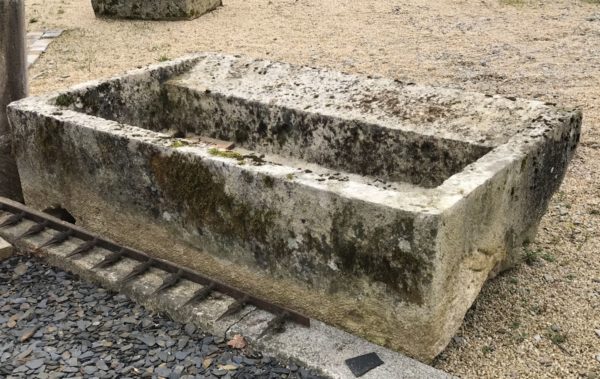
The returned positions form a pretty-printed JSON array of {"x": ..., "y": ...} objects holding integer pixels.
[{"x": 13, "y": 86}]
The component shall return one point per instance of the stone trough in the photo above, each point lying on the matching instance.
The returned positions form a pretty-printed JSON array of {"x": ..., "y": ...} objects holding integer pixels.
[{"x": 377, "y": 206}]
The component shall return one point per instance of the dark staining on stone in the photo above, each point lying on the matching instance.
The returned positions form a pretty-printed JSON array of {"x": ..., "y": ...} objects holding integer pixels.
[
  {"x": 360, "y": 252},
  {"x": 200, "y": 196},
  {"x": 338, "y": 144},
  {"x": 334, "y": 143},
  {"x": 64, "y": 100},
  {"x": 268, "y": 181}
]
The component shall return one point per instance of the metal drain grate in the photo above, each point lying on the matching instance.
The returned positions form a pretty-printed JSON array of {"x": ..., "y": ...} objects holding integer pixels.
[{"x": 20, "y": 212}]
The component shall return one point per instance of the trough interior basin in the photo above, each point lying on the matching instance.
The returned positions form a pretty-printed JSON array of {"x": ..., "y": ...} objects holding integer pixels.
[{"x": 298, "y": 121}]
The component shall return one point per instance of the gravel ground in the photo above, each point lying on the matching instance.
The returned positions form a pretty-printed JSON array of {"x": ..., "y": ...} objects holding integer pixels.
[
  {"x": 52, "y": 325},
  {"x": 537, "y": 320}
]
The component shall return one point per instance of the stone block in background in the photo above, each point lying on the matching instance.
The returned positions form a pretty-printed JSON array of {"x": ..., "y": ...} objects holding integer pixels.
[{"x": 154, "y": 9}]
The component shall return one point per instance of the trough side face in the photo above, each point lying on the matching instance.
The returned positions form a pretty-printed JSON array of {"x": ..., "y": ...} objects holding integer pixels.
[
  {"x": 355, "y": 264},
  {"x": 494, "y": 207},
  {"x": 154, "y": 9},
  {"x": 398, "y": 264}
]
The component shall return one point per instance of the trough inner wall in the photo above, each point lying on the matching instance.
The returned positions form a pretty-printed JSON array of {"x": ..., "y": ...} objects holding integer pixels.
[{"x": 339, "y": 144}]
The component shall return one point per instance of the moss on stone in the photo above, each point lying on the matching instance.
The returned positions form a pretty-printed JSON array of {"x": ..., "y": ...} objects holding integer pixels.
[
  {"x": 64, "y": 100},
  {"x": 202, "y": 198},
  {"x": 225, "y": 154},
  {"x": 178, "y": 143}
]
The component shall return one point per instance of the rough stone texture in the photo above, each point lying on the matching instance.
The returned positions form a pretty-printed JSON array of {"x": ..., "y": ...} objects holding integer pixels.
[
  {"x": 154, "y": 9},
  {"x": 411, "y": 198},
  {"x": 6, "y": 249},
  {"x": 320, "y": 347}
]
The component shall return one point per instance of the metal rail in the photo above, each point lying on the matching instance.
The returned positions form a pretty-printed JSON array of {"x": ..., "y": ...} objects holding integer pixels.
[{"x": 66, "y": 230}]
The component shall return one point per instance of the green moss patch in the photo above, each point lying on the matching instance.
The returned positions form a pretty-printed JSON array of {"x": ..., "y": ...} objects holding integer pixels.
[{"x": 226, "y": 154}]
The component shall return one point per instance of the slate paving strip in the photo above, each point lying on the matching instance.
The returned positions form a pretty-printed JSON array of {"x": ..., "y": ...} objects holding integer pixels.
[
  {"x": 80, "y": 330},
  {"x": 38, "y": 42}
]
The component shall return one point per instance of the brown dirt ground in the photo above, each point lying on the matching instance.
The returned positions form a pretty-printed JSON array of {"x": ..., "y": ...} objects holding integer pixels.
[{"x": 537, "y": 49}]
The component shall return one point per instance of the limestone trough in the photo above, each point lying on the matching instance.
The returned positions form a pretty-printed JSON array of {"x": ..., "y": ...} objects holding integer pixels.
[
  {"x": 377, "y": 206},
  {"x": 154, "y": 9}
]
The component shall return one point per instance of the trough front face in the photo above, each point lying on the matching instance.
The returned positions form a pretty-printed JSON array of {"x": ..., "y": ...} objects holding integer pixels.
[
  {"x": 374, "y": 205},
  {"x": 154, "y": 9}
]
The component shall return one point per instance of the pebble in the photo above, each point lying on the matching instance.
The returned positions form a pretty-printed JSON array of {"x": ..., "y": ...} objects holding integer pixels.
[
  {"x": 163, "y": 371},
  {"x": 460, "y": 341},
  {"x": 85, "y": 331},
  {"x": 35, "y": 363}
]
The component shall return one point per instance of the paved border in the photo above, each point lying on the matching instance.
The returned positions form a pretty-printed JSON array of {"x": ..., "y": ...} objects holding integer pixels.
[
  {"x": 319, "y": 347},
  {"x": 38, "y": 42}
]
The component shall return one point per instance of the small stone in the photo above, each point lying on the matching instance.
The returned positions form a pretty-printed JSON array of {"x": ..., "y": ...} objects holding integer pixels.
[
  {"x": 101, "y": 365},
  {"x": 148, "y": 339},
  {"x": 537, "y": 339},
  {"x": 548, "y": 278},
  {"x": 228, "y": 367},
  {"x": 20, "y": 269},
  {"x": 176, "y": 372},
  {"x": 190, "y": 329},
  {"x": 598, "y": 357},
  {"x": 459, "y": 340},
  {"x": 21, "y": 369},
  {"x": 35, "y": 363},
  {"x": 28, "y": 333},
  {"x": 597, "y": 332},
  {"x": 280, "y": 370},
  {"x": 90, "y": 369},
  {"x": 555, "y": 328},
  {"x": 162, "y": 372},
  {"x": 219, "y": 373}
]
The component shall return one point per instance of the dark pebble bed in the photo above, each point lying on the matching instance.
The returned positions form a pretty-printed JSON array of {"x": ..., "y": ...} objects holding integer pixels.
[{"x": 52, "y": 325}]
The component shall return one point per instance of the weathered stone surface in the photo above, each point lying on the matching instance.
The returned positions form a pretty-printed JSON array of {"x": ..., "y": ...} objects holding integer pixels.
[
  {"x": 374, "y": 205},
  {"x": 154, "y": 9},
  {"x": 6, "y": 250}
]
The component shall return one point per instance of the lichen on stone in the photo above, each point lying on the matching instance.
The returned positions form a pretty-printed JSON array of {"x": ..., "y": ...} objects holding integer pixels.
[{"x": 225, "y": 154}]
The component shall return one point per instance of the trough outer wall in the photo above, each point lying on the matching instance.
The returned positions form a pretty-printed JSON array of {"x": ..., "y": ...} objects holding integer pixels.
[
  {"x": 485, "y": 213},
  {"x": 484, "y": 231},
  {"x": 81, "y": 167}
]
